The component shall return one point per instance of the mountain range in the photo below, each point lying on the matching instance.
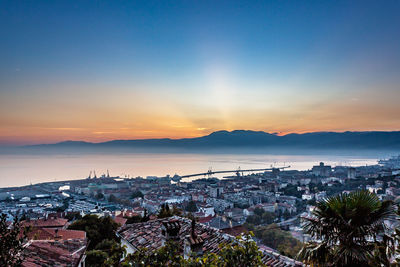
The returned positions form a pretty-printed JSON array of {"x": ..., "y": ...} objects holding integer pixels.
[{"x": 248, "y": 139}]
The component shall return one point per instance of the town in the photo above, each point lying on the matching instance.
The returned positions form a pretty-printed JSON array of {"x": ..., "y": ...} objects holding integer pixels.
[{"x": 269, "y": 203}]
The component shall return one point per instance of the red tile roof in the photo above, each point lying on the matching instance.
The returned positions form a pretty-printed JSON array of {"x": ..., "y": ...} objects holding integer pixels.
[
  {"x": 235, "y": 231},
  {"x": 43, "y": 223},
  {"x": 148, "y": 235},
  {"x": 63, "y": 253},
  {"x": 55, "y": 234},
  {"x": 205, "y": 219},
  {"x": 120, "y": 220}
]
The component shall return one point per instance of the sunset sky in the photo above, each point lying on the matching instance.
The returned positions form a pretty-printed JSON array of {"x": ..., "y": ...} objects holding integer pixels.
[{"x": 102, "y": 70}]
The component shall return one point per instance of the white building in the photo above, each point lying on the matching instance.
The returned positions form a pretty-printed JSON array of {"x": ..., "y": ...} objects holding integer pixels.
[
  {"x": 207, "y": 210},
  {"x": 307, "y": 196}
]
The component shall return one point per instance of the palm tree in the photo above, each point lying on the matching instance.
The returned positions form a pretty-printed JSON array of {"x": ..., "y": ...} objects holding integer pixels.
[{"x": 348, "y": 230}]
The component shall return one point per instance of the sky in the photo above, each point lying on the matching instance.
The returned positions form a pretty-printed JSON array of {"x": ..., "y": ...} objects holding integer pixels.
[{"x": 103, "y": 70}]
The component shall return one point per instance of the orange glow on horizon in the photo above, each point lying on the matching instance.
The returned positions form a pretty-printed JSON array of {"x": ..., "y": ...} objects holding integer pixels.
[
  {"x": 139, "y": 113},
  {"x": 101, "y": 135}
]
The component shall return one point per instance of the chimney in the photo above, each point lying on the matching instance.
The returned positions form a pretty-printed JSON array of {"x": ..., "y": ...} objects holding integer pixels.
[
  {"x": 56, "y": 236},
  {"x": 192, "y": 232},
  {"x": 170, "y": 230},
  {"x": 193, "y": 244}
]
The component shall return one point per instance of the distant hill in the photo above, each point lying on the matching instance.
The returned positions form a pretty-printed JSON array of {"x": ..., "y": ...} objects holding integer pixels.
[{"x": 247, "y": 139}]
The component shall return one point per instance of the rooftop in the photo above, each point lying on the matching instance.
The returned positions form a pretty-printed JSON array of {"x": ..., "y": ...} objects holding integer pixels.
[
  {"x": 148, "y": 235},
  {"x": 41, "y": 223},
  {"x": 54, "y": 253},
  {"x": 55, "y": 234}
]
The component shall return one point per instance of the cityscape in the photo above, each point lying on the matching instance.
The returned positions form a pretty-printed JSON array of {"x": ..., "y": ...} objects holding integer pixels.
[
  {"x": 199, "y": 133},
  {"x": 255, "y": 200}
]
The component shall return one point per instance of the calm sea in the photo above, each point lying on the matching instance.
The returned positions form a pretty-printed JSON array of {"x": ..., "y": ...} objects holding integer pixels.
[{"x": 17, "y": 170}]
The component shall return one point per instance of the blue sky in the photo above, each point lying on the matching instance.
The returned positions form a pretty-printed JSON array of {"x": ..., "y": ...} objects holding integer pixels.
[{"x": 99, "y": 70}]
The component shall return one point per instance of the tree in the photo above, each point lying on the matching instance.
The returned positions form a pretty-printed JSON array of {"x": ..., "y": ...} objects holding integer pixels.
[
  {"x": 137, "y": 218},
  {"x": 97, "y": 229},
  {"x": 348, "y": 226},
  {"x": 258, "y": 211},
  {"x": 242, "y": 252},
  {"x": 176, "y": 211},
  {"x": 286, "y": 214},
  {"x": 165, "y": 211},
  {"x": 268, "y": 217},
  {"x": 291, "y": 190},
  {"x": 274, "y": 237},
  {"x": 99, "y": 195},
  {"x": 191, "y": 206},
  {"x": 11, "y": 242},
  {"x": 168, "y": 255},
  {"x": 394, "y": 243},
  {"x": 254, "y": 219},
  {"x": 96, "y": 258},
  {"x": 112, "y": 198},
  {"x": 104, "y": 246},
  {"x": 134, "y": 219},
  {"x": 114, "y": 252},
  {"x": 261, "y": 217},
  {"x": 76, "y": 215},
  {"x": 137, "y": 194}
]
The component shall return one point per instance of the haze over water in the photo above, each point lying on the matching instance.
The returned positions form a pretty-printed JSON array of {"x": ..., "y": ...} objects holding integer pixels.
[{"x": 18, "y": 170}]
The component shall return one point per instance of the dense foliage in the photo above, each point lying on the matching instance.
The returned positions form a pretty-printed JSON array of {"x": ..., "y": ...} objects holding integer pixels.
[
  {"x": 274, "y": 237},
  {"x": 97, "y": 229},
  {"x": 261, "y": 217},
  {"x": 11, "y": 241},
  {"x": 99, "y": 196},
  {"x": 165, "y": 211},
  {"x": 168, "y": 255},
  {"x": 72, "y": 216},
  {"x": 351, "y": 231},
  {"x": 242, "y": 252},
  {"x": 137, "y": 194},
  {"x": 104, "y": 246},
  {"x": 112, "y": 198},
  {"x": 291, "y": 190},
  {"x": 137, "y": 218},
  {"x": 191, "y": 206},
  {"x": 106, "y": 253},
  {"x": 96, "y": 258}
]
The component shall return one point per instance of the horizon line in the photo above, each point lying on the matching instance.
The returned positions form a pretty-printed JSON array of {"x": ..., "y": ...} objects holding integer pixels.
[{"x": 171, "y": 138}]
